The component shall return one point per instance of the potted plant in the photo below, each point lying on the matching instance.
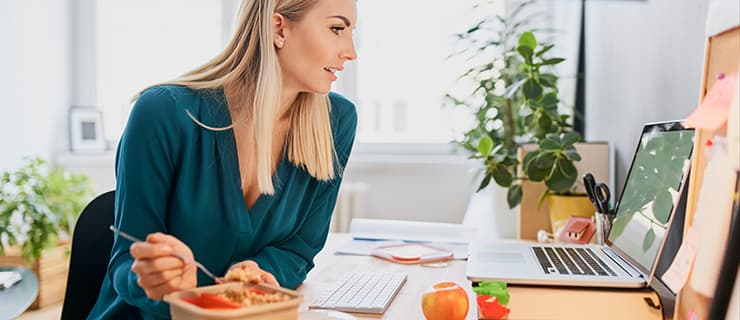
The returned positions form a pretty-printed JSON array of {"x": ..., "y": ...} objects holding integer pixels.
[
  {"x": 515, "y": 103},
  {"x": 39, "y": 205}
]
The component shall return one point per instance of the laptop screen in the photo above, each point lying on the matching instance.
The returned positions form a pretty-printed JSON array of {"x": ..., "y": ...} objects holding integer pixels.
[{"x": 651, "y": 191}]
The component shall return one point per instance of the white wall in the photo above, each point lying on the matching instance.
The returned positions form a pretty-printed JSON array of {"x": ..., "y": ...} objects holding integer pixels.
[
  {"x": 423, "y": 188},
  {"x": 35, "y": 83},
  {"x": 644, "y": 63}
]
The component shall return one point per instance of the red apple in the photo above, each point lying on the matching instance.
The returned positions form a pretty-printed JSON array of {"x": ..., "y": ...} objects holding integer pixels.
[{"x": 445, "y": 301}]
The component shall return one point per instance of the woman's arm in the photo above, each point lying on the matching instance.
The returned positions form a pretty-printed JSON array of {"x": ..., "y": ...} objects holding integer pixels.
[{"x": 145, "y": 169}]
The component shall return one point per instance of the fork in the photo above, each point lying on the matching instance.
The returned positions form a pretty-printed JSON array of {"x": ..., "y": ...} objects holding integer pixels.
[{"x": 186, "y": 260}]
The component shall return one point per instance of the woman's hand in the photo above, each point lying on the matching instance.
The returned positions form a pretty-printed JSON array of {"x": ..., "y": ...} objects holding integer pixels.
[
  {"x": 253, "y": 270},
  {"x": 159, "y": 271}
]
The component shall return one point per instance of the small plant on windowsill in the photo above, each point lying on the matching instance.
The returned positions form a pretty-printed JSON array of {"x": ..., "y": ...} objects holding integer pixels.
[
  {"x": 39, "y": 205},
  {"x": 525, "y": 112}
]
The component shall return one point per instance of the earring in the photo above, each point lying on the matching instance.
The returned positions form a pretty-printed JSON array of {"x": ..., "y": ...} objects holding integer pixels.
[{"x": 280, "y": 43}]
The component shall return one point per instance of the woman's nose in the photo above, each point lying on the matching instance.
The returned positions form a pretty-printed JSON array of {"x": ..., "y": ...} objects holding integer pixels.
[{"x": 349, "y": 53}]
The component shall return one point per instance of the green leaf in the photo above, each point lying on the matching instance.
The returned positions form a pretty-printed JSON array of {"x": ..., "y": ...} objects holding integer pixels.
[
  {"x": 544, "y": 122},
  {"x": 484, "y": 183},
  {"x": 485, "y": 146},
  {"x": 553, "y": 136},
  {"x": 514, "y": 196},
  {"x": 570, "y": 138},
  {"x": 532, "y": 89},
  {"x": 563, "y": 176},
  {"x": 648, "y": 241},
  {"x": 545, "y": 160},
  {"x": 536, "y": 174},
  {"x": 528, "y": 40},
  {"x": 552, "y": 61},
  {"x": 529, "y": 157},
  {"x": 544, "y": 49},
  {"x": 662, "y": 206},
  {"x": 502, "y": 176},
  {"x": 526, "y": 53},
  {"x": 549, "y": 144},
  {"x": 550, "y": 99},
  {"x": 572, "y": 154},
  {"x": 549, "y": 80}
]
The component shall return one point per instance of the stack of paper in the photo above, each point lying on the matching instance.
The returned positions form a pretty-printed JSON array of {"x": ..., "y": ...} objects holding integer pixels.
[{"x": 368, "y": 234}]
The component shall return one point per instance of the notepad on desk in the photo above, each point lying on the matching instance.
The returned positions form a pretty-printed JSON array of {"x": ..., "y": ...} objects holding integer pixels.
[{"x": 369, "y": 234}]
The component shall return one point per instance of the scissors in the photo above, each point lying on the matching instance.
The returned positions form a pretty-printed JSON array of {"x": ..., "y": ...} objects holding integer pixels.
[{"x": 598, "y": 193}]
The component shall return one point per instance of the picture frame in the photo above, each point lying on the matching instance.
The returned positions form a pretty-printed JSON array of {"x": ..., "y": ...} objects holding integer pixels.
[{"x": 86, "y": 130}]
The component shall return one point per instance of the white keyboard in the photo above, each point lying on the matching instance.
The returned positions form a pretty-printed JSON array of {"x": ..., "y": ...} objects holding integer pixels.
[{"x": 363, "y": 292}]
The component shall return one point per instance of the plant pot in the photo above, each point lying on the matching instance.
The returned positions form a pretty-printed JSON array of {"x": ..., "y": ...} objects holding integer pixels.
[
  {"x": 596, "y": 158},
  {"x": 51, "y": 269},
  {"x": 489, "y": 213},
  {"x": 562, "y": 207}
]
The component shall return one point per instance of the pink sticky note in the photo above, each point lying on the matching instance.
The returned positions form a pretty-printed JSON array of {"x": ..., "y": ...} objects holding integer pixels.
[{"x": 715, "y": 108}]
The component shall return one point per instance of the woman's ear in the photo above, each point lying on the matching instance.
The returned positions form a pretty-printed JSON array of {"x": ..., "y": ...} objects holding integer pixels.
[{"x": 278, "y": 27}]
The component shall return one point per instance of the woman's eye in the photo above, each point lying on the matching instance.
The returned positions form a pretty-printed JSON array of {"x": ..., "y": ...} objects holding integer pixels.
[{"x": 336, "y": 29}]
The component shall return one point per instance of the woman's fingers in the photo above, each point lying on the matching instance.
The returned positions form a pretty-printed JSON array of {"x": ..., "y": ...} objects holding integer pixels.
[
  {"x": 159, "y": 265},
  {"x": 146, "y": 266},
  {"x": 247, "y": 264},
  {"x": 156, "y": 292},
  {"x": 146, "y": 250},
  {"x": 263, "y": 276},
  {"x": 269, "y": 278},
  {"x": 158, "y": 278},
  {"x": 178, "y": 247}
]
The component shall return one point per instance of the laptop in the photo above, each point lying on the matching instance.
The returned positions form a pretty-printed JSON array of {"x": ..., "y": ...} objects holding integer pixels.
[{"x": 644, "y": 213}]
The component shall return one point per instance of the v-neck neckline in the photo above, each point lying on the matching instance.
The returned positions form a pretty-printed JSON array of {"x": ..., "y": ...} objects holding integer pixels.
[{"x": 277, "y": 176}]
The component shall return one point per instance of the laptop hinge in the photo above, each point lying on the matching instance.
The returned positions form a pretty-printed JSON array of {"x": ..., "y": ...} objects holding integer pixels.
[{"x": 622, "y": 263}]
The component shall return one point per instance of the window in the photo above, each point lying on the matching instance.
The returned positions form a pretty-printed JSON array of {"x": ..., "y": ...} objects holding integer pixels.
[
  {"x": 398, "y": 83},
  {"x": 141, "y": 42},
  {"x": 403, "y": 71}
]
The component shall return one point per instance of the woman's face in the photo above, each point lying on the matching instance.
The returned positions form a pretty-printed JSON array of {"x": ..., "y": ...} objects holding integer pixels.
[{"x": 312, "y": 50}]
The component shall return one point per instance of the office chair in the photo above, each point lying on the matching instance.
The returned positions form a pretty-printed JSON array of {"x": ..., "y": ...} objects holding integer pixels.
[{"x": 91, "y": 247}]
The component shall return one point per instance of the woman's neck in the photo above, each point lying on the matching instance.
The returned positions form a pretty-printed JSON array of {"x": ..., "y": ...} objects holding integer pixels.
[{"x": 237, "y": 99}]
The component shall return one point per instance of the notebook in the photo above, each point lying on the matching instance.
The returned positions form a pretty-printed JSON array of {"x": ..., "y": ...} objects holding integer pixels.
[{"x": 644, "y": 213}]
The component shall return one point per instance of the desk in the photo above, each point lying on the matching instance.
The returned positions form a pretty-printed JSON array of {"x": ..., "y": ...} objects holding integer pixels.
[
  {"x": 16, "y": 299},
  {"x": 526, "y": 302}
]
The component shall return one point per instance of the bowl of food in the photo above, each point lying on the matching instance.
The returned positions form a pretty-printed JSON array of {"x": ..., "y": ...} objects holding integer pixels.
[{"x": 242, "y": 298}]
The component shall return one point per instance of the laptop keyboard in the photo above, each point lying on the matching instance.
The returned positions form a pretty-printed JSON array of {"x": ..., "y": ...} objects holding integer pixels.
[
  {"x": 577, "y": 261},
  {"x": 366, "y": 292}
]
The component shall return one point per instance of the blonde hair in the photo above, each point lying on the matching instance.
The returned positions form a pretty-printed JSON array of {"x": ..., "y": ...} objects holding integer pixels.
[{"x": 249, "y": 64}]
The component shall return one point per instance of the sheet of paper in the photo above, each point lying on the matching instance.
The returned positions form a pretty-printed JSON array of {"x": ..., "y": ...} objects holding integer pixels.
[
  {"x": 733, "y": 129},
  {"x": 714, "y": 110},
  {"x": 364, "y": 247},
  {"x": 678, "y": 273},
  {"x": 381, "y": 229},
  {"x": 712, "y": 220}
]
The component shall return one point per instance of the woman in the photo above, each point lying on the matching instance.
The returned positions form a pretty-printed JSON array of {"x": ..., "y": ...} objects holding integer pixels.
[{"x": 237, "y": 163}]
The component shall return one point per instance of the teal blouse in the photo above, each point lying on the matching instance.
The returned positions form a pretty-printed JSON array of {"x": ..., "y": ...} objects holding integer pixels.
[{"x": 176, "y": 177}]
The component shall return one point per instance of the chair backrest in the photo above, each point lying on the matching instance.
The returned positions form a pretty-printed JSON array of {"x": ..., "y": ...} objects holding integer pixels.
[{"x": 91, "y": 247}]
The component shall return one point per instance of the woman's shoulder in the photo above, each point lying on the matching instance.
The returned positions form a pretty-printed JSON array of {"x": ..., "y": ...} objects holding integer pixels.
[
  {"x": 172, "y": 100},
  {"x": 341, "y": 107},
  {"x": 169, "y": 95}
]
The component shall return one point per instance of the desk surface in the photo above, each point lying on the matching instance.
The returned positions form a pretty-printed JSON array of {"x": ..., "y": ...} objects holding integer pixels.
[{"x": 526, "y": 302}]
